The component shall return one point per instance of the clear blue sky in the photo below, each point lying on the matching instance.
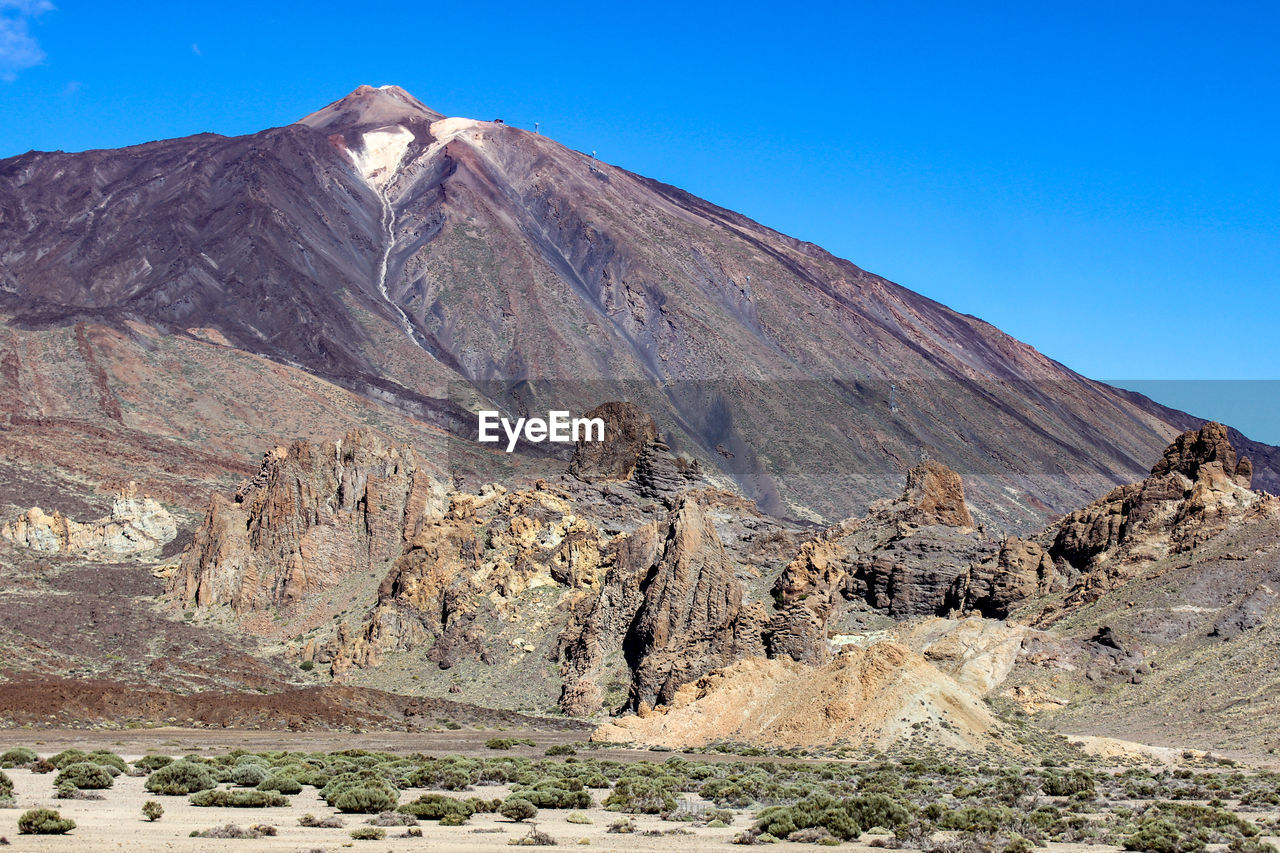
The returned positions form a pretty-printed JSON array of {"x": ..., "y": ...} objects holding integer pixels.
[{"x": 1099, "y": 179}]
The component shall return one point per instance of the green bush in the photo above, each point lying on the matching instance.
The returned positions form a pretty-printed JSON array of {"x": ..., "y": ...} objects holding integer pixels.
[
  {"x": 6, "y": 786},
  {"x": 19, "y": 756},
  {"x": 368, "y": 833},
  {"x": 110, "y": 760},
  {"x": 238, "y": 799},
  {"x": 1162, "y": 836},
  {"x": 249, "y": 775},
  {"x": 555, "y": 794},
  {"x": 44, "y": 822},
  {"x": 361, "y": 792},
  {"x": 820, "y": 811},
  {"x": 84, "y": 776},
  {"x": 1068, "y": 784},
  {"x": 639, "y": 795},
  {"x": 438, "y": 807},
  {"x": 518, "y": 809},
  {"x": 281, "y": 783},
  {"x": 152, "y": 810},
  {"x": 68, "y": 756},
  {"x": 179, "y": 778},
  {"x": 151, "y": 763},
  {"x": 507, "y": 742},
  {"x": 561, "y": 749}
]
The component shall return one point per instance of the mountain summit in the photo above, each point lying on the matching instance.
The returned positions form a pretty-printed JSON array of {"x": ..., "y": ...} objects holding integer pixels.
[
  {"x": 370, "y": 106},
  {"x": 431, "y": 265}
]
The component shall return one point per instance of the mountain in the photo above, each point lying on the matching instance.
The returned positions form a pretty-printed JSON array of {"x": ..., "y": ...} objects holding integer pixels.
[{"x": 379, "y": 264}]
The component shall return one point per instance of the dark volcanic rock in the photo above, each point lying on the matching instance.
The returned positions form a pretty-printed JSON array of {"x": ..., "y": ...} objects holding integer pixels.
[
  {"x": 628, "y": 431},
  {"x": 1197, "y": 448},
  {"x": 908, "y": 557},
  {"x": 1194, "y": 493}
]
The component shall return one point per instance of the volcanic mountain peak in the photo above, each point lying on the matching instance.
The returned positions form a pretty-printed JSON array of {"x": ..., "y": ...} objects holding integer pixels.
[{"x": 369, "y": 107}]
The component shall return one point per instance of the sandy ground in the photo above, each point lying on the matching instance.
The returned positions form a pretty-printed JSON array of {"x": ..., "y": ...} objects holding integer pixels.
[{"x": 116, "y": 823}]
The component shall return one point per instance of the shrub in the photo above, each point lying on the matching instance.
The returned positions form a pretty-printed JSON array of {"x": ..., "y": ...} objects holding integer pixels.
[
  {"x": 238, "y": 799},
  {"x": 518, "y": 809},
  {"x": 561, "y": 749},
  {"x": 84, "y": 776},
  {"x": 179, "y": 778},
  {"x": 19, "y": 756},
  {"x": 114, "y": 763},
  {"x": 1250, "y": 845},
  {"x": 507, "y": 742},
  {"x": 578, "y": 817},
  {"x": 151, "y": 763},
  {"x": 640, "y": 796},
  {"x": 438, "y": 807},
  {"x": 367, "y": 792},
  {"x": 249, "y": 775},
  {"x": 452, "y": 820},
  {"x": 230, "y": 830},
  {"x": 44, "y": 822},
  {"x": 1162, "y": 836},
  {"x": 393, "y": 819},
  {"x": 280, "y": 783},
  {"x": 533, "y": 839},
  {"x": 555, "y": 794},
  {"x": 311, "y": 820},
  {"x": 1068, "y": 785},
  {"x": 68, "y": 756},
  {"x": 368, "y": 833},
  {"x": 6, "y": 786},
  {"x": 152, "y": 810},
  {"x": 366, "y": 799}
]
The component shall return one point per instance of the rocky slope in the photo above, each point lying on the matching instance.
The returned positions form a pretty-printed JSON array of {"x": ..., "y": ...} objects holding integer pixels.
[{"x": 430, "y": 265}]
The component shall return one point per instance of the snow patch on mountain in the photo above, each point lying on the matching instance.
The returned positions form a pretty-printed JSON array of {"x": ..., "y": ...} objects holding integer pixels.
[{"x": 381, "y": 154}]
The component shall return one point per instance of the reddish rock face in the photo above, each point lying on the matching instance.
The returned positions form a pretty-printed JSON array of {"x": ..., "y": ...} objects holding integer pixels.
[
  {"x": 311, "y": 514},
  {"x": 936, "y": 494},
  {"x": 628, "y": 431}
]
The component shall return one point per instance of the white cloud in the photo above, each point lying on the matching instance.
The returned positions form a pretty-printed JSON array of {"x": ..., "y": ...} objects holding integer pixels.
[{"x": 18, "y": 48}]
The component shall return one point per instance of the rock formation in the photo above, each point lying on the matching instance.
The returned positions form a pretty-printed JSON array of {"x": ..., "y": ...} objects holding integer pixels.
[
  {"x": 1194, "y": 492},
  {"x": 137, "y": 525},
  {"x": 628, "y": 429},
  {"x": 908, "y": 557},
  {"x": 633, "y": 451},
  {"x": 669, "y": 610},
  {"x": 312, "y": 514},
  {"x": 1020, "y": 570}
]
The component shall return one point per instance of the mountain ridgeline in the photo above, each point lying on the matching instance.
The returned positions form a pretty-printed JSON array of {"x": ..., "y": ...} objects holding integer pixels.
[{"x": 418, "y": 266}]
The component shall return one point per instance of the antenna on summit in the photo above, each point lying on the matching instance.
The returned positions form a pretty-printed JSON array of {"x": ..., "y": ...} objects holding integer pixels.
[{"x": 536, "y": 124}]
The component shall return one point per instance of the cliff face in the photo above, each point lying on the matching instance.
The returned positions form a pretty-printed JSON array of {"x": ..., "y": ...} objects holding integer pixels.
[
  {"x": 673, "y": 608},
  {"x": 310, "y": 515}
]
